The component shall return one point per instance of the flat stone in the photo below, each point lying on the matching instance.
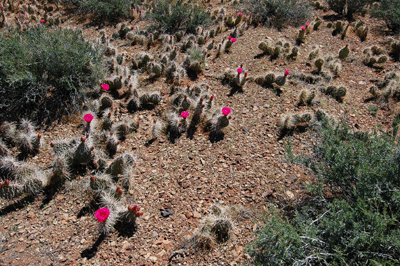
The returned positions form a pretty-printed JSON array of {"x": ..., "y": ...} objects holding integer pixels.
[{"x": 167, "y": 212}]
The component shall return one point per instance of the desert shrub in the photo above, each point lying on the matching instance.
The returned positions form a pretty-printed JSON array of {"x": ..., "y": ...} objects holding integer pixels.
[
  {"x": 347, "y": 8},
  {"x": 174, "y": 15},
  {"x": 280, "y": 12},
  {"x": 388, "y": 10},
  {"x": 105, "y": 9},
  {"x": 44, "y": 73},
  {"x": 360, "y": 225}
]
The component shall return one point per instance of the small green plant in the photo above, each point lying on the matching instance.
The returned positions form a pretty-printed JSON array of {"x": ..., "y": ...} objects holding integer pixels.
[
  {"x": 44, "y": 72},
  {"x": 280, "y": 12},
  {"x": 389, "y": 11},
  {"x": 373, "y": 110},
  {"x": 173, "y": 15},
  {"x": 197, "y": 54}
]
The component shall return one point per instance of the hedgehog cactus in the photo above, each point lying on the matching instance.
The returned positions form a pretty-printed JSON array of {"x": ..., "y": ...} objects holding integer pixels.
[
  {"x": 4, "y": 151},
  {"x": 319, "y": 63},
  {"x": 112, "y": 143},
  {"x": 9, "y": 168},
  {"x": 301, "y": 36},
  {"x": 9, "y": 133},
  {"x": 83, "y": 154},
  {"x": 107, "y": 121},
  {"x": 63, "y": 146},
  {"x": 130, "y": 214},
  {"x": 60, "y": 173},
  {"x": 266, "y": 47},
  {"x": 306, "y": 97},
  {"x": 34, "y": 181},
  {"x": 106, "y": 101},
  {"x": 116, "y": 168},
  {"x": 29, "y": 143},
  {"x": 10, "y": 190}
]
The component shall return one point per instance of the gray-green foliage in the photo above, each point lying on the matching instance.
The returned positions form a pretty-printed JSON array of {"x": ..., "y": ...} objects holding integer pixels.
[
  {"x": 389, "y": 11},
  {"x": 347, "y": 8},
  {"x": 173, "y": 15},
  {"x": 44, "y": 72},
  {"x": 280, "y": 12},
  {"x": 105, "y": 9},
  {"x": 360, "y": 225}
]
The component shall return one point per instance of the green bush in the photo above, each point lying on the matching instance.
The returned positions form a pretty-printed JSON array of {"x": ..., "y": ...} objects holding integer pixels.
[
  {"x": 346, "y": 7},
  {"x": 44, "y": 73},
  {"x": 173, "y": 15},
  {"x": 360, "y": 226},
  {"x": 389, "y": 11},
  {"x": 105, "y": 9},
  {"x": 280, "y": 12}
]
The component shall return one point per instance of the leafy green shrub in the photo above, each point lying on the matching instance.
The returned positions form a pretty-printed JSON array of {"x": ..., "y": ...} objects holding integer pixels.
[
  {"x": 346, "y": 7},
  {"x": 44, "y": 73},
  {"x": 388, "y": 10},
  {"x": 173, "y": 15},
  {"x": 280, "y": 12},
  {"x": 359, "y": 226}
]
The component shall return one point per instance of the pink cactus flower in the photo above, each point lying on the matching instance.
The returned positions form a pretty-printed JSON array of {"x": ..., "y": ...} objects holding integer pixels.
[
  {"x": 226, "y": 111},
  {"x": 102, "y": 214},
  {"x": 140, "y": 11},
  {"x": 239, "y": 14},
  {"x": 42, "y": 20},
  {"x": 303, "y": 27},
  {"x": 286, "y": 72},
  {"x": 139, "y": 214},
  {"x": 239, "y": 70},
  {"x": 185, "y": 114},
  {"x": 88, "y": 118},
  {"x": 105, "y": 86},
  {"x": 307, "y": 24},
  {"x": 233, "y": 40}
]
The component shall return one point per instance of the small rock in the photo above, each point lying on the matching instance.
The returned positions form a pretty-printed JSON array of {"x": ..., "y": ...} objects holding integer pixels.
[
  {"x": 196, "y": 215},
  {"x": 159, "y": 241},
  {"x": 153, "y": 259},
  {"x": 289, "y": 194},
  {"x": 167, "y": 212}
]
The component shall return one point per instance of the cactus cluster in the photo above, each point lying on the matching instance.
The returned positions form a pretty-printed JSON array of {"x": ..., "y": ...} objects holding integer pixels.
[
  {"x": 23, "y": 136},
  {"x": 107, "y": 188},
  {"x": 374, "y": 55},
  {"x": 337, "y": 92},
  {"x": 17, "y": 178},
  {"x": 230, "y": 21},
  {"x": 272, "y": 79},
  {"x": 332, "y": 65},
  {"x": 306, "y": 97},
  {"x": 288, "y": 122},
  {"x": 190, "y": 107},
  {"x": 216, "y": 227},
  {"x": 236, "y": 77},
  {"x": 388, "y": 87},
  {"x": 281, "y": 48}
]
